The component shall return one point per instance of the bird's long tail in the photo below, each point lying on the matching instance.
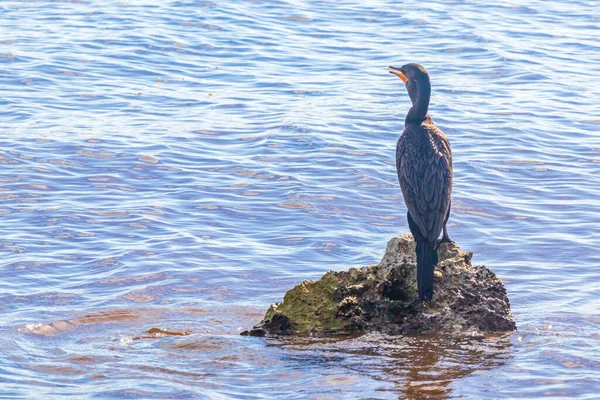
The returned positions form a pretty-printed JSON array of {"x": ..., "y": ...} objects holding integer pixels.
[{"x": 426, "y": 261}]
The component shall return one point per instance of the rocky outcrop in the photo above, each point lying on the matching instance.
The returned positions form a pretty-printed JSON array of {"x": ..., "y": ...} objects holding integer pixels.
[{"x": 383, "y": 298}]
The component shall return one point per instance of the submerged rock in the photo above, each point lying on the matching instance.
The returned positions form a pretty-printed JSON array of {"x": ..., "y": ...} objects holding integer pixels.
[{"x": 383, "y": 298}]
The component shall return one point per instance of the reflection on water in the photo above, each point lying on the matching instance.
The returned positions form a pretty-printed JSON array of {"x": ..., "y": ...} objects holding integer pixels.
[
  {"x": 410, "y": 367},
  {"x": 201, "y": 350}
]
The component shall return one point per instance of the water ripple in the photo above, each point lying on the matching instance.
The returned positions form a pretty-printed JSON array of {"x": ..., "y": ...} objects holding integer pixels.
[{"x": 169, "y": 170}]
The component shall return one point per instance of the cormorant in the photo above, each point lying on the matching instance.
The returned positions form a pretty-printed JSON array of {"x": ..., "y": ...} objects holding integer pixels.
[{"x": 424, "y": 166}]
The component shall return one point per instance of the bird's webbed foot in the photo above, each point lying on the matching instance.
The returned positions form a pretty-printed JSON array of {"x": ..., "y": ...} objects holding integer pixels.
[{"x": 445, "y": 239}]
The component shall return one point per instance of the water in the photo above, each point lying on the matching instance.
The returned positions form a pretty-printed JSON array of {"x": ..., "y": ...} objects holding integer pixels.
[{"x": 145, "y": 223}]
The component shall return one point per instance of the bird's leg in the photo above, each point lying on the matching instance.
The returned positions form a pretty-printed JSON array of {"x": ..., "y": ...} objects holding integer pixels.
[{"x": 445, "y": 237}]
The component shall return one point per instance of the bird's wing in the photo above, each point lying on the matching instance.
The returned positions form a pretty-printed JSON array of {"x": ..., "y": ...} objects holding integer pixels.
[{"x": 426, "y": 181}]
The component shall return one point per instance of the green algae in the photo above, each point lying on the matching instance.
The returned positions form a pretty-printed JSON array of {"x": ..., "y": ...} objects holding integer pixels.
[{"x": 311, "y": 305}]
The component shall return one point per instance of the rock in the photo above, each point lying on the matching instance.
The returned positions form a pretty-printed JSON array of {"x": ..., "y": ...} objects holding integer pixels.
[{"x": 383, "y": 298}]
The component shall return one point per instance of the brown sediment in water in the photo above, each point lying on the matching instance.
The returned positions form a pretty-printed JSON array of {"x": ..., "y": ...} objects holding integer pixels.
[{"x": 117, "y": 316}]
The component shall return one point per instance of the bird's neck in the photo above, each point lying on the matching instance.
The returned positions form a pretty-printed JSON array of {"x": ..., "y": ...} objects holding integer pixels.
[
  {"x": 418, "y": 112},
  {"x": 415, "y": 116}
]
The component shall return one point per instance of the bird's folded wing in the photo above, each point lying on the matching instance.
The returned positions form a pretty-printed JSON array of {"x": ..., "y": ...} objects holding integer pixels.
[{"x": 426, "y": 183}]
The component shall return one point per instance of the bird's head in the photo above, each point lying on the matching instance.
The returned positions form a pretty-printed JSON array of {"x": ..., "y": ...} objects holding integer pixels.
[{"x": 416, "y": 79}]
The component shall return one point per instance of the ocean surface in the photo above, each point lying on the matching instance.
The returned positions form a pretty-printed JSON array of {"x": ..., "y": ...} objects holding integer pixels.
[{"x": 170, "y": 168}]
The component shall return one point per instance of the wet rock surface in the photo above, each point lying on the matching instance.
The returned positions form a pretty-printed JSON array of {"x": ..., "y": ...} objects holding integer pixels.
[{"x": 383, "y": 298}]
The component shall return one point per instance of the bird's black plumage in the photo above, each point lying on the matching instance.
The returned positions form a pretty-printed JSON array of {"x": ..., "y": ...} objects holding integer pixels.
[{"x": 424, "y": 166}]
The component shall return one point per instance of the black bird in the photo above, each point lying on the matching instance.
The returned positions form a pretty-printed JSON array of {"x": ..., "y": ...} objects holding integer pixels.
[{"x": 424, "y": 166}]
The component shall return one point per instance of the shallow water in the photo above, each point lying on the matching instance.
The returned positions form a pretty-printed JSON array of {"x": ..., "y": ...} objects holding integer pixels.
[{"x": 146, "y": 221}]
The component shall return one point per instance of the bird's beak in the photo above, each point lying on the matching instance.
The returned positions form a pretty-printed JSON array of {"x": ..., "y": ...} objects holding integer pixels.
[{"x": 396, "y": 71}]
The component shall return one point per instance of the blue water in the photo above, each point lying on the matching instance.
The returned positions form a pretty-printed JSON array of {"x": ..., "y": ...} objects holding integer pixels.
[{"x": 169, "y": 169}]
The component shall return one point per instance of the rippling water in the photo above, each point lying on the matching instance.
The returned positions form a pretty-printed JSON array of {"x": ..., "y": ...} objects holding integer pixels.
[{"x": 170, "y": 168}]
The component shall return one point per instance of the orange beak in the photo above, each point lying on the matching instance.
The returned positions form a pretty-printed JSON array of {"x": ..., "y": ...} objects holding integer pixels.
[{"x": 398, "y": 73}]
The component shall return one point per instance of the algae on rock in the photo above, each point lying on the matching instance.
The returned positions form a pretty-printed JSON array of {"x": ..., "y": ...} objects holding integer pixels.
[
  {"x": 312, "y": 305},
  {"x": 383, "y": 297}
]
